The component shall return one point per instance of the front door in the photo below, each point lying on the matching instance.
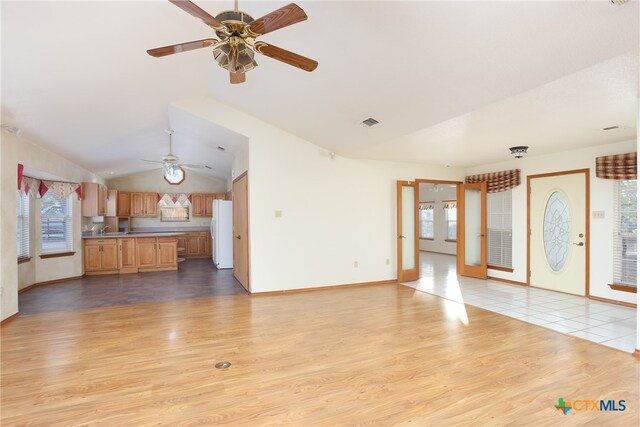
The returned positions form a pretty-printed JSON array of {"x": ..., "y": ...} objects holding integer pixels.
[
  {"x": 472, "y": 232},
  {"x": 558, "y": 225},
  {"x": 407, "y": 231}
]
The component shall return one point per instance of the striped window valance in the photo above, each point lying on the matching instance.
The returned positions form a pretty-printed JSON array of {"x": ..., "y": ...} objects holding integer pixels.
[
  {"x": 426, "y": 206},
  {"x": 449, "y": 204},
  {"x": 497, "y": 181},
  {"x": 618, "y": 166}
]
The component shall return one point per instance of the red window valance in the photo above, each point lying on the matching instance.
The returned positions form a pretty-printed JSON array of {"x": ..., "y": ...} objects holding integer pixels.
[
  {"x": 618, "y": 166},
  {"x": 497, "y": 181}
]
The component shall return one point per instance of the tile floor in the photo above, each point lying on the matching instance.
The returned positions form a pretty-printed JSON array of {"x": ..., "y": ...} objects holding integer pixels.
[{"x": 607, "y": 324}]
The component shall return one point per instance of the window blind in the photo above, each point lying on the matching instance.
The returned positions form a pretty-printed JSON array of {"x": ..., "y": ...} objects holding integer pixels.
[
  {"x": 451, "y": 212},
  {"x": 426, "y": 210},
  {"x": 625, "y": 240},
  {"x": 56, "y": 223},
  {"x": 499, "y": 230},
  {"x": 23, "y": 225}
]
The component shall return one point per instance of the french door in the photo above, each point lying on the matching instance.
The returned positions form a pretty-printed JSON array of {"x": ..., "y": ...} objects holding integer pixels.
[
  {"x": 472, "y": 230},
  {"x": 408, "y": 265}
]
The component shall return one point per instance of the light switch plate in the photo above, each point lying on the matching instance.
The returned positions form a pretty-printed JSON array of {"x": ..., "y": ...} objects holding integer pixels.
[
  {"x": 597, "y": 214},
  {"x": 278, "y": 214}
]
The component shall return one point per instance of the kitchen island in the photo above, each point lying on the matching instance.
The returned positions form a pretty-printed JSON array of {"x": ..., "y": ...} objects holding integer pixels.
[{"x": 123, "y": 253}]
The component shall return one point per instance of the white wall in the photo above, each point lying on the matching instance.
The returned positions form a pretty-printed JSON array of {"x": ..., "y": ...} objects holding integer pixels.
[
  {"x": 601, "y": 232},
  {"x": 153, "y": 181},
  {"x": 439, "y": 243},
  {"x": 19, "y": 150},
  {"x": 334, "y": 211}
]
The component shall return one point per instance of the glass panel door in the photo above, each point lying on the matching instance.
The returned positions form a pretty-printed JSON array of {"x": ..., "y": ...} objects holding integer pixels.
[
  {"x": 472, "y": 244},
  {"x": 407, "y": 231}
]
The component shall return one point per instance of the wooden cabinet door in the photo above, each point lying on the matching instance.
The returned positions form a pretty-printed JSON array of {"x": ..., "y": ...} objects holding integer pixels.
[
  {"x": 181, "y": 242},
  {"x": 197, "y": 204},
  {"x": 112, "y": 203},
  {"x": 109, "y": 256},
  {"x": 167, "y": 256},
  {"x": 150, "y": 204},
  {"x": 208, "y": 204},
  {"x": 208, "y": 245},
  {"x": 92, "y": 257},
  {"x": 193, "y": 246},
  {"x": 124, "y": 204},
  {"x": 102, "y": 200},
  {"x": 127, "y": 253},
  {"x": 146, "y": 251},
  {"x": 137, "y": 204},
  {"x": 221, "y": 196},
  {"x": 90, "y": 199}
]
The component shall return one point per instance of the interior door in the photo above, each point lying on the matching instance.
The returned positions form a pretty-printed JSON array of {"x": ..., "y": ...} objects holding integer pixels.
[
  {"x": 408, "y": 261},
  {"x": 241, "y": 231},
  {"x": 472, "y": 230},
  {"x": 558, "y": 224}
]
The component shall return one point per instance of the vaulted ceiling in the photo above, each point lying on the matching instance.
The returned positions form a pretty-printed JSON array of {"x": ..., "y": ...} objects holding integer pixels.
[{"x": 450, "y": 82}]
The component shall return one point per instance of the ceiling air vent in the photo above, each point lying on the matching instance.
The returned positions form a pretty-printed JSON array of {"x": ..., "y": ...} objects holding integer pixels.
[
  {"x": 611, "y": 128},
  {"x": 370, "y": 121},
  {"x": 619, "y": 2}
]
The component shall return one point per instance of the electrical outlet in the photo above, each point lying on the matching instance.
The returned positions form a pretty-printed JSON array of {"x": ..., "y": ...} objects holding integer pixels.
[
  {"x": 597, "y": 214},
  {"x": 355, "y": 264},
  {"x": 278, "y": 214},
  {"x": 387, "y": 261}
]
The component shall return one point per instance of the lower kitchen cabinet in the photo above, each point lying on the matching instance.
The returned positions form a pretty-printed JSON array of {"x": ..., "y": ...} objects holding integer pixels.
[
  {"x": 130, "y": 255},
  {"x": 197, "y": 244},
  {"x": 101, "y": 256}
]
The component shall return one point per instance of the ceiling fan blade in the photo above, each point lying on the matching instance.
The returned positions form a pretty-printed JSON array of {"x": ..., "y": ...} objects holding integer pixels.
[
  {"x": 237, "y": 78},
  {"x": 196, "y": 11},
  {"x": 285, "y": 56},
  {"x": 150, "y": 161},
  {"x": 186, "y": 165},
  {"x": 181, "y": 47},
  {"x": 283, "y": 17}
]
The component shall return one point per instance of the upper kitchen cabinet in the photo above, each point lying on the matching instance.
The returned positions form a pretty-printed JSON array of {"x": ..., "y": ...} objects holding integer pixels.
[
  {"x": 94, "y": 199},
  {"x": 144, "y": 205},
  {"x": 197, "y": 204},
  {"x": 208, "y": 204},
  {"x": 112, "y": 203},
  {"x": 124, "y": 204}
]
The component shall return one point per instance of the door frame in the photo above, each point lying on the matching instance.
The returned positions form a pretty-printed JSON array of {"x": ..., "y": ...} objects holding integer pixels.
[
  {"x": 587, "y": 210},
  {"x": 444, "y": 182}
]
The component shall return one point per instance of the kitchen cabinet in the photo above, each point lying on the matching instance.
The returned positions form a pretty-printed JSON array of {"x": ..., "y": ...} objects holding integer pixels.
[
  {"x": 124, "y": 204},
  {"x": 197, "y": 204},
  {"x": 198, "y": 244},
  {"x": 146, "y": 252},
  {"x": 166, "y": 252},
  {"x": 144, "y": 205},
  {"x": 94, "y": 199},
  {"x": 101, "y": 256},
  {"x": 112, "y": 203},
  {"x": 208, "y": 204},
  {"x": 127, "y": 256},
  {"x": 156, "y": 254}
]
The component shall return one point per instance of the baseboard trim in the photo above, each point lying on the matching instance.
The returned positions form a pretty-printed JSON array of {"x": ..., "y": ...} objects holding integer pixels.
[
  {"x": 10, "y": 318},
  {"x": 324, "y": 288},
  {"x": 612, "y": 301},
  {"x": 49, "y": 282},
  {"x": 511, "y": 282}
]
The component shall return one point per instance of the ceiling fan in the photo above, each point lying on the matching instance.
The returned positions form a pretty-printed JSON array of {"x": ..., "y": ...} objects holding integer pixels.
[
  {"x": 238, "y": 31},
  {"x": 170, "y": 163}
]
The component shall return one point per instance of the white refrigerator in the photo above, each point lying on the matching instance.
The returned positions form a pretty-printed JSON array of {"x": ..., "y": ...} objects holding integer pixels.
[{"x": 222, "y": 233}]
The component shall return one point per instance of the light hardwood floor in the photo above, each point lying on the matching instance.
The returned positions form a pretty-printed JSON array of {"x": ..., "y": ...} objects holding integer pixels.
[{"x": 375, "y": 355}]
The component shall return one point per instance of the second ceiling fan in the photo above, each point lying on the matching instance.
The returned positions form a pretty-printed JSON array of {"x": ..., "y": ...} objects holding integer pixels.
[{"x": 237, "y": 32}]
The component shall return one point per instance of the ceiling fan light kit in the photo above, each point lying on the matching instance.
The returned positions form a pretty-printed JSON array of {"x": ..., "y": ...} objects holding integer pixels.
[
  {"x": 519, "y": 151},
  {"x": 237, "y": 32}
]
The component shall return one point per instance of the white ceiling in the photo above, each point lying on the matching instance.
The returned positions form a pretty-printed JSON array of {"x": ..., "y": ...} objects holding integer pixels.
[{"x": 450, "y": 82}]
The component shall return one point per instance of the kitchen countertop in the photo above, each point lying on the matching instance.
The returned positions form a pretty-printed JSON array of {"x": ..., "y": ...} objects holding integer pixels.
[{"x": 133, "y": 234}]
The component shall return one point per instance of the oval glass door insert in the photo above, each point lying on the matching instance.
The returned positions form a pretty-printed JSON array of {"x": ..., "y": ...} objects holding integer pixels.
[{"x": 556, "y": 230}]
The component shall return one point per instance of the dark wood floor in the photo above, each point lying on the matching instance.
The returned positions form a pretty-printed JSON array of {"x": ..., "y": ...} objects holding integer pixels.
[{"x": 196, "y": 278}]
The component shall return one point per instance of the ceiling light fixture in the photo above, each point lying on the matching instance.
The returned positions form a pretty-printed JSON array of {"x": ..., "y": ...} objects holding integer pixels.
[{"x": 519, "y": 151}]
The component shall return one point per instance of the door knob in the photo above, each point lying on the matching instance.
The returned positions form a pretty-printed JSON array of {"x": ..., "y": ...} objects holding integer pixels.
[
  {"x": 579, "y": 244},
  {"x": 238, "y": 237},
  {"x": 401, "y": 237}
]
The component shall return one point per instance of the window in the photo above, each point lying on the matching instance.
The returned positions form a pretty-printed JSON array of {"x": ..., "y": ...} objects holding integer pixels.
[
  {"x": 451, "y": 214},
  {"x": 23, "y": 225},
  {"x": 499, "y": 234},
  {"x": 56, "y": 223},
  {"x": 426, "y": 220},
  {"x": 625, "y": 241}
]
